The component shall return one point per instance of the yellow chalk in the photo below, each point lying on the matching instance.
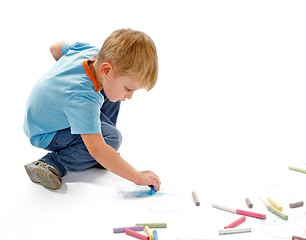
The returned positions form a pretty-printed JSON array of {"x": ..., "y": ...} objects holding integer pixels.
[
  {"x": 275, "y": 204},
  {"x": 149, "y": 232}
]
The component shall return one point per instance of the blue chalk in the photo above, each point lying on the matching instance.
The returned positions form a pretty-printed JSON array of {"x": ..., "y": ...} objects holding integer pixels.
[
  {"x": 152, "y": 191},
  {"x": 155, "y": 234}
]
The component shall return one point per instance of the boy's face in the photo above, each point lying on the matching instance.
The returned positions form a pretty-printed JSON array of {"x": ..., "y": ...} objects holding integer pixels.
[{"x": 119, "y": 88}]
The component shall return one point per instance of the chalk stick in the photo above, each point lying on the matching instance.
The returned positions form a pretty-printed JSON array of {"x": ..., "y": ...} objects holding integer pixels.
[
  {"x": 136, "y": 234},
  {"x": 149, "y": 232},
  {"x": 195, "y": 198},
  {"x": 236, "y": 223},
  {"x": 251, "y": 214},
  {"x": 234, "y": 230},
  {"x": 241, "y": 212},
  {"x": 224, "y": 208},
  {"x": 152, "y": 191},
  {"x": 263, "y": 201},
  {"x": 297, "y": 238},
  {"x": 278, "y": 213},
  {"x": 302, "y": 170},
  {"x": 275, "y": 204},
  {"x": 249, "y": 203},
  {"x": 296, "y": 204},
  {"x": 153, "y": 225},
  {"x": 122, "y": 229},
  {"x": 155, "y": 235}
]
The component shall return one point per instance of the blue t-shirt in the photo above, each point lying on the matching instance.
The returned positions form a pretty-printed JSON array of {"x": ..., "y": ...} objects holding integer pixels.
[{"x": 64, "y": 97}]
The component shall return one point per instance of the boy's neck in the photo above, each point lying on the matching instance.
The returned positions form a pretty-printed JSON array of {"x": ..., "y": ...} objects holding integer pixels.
[{"x": 93, "y": 66}]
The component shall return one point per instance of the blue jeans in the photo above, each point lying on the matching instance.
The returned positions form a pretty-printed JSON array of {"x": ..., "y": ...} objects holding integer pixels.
[{"x": 68, "y": 152}]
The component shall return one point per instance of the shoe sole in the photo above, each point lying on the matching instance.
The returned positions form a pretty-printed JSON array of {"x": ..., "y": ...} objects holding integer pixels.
[{"x": 44, "y": 177}]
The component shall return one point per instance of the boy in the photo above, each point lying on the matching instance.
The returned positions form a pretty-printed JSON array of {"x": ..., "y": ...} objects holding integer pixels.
[{"x": 73, "y": 108}]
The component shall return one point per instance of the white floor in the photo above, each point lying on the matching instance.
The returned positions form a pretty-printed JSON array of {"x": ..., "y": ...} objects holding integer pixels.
[{"x": 226, "y": 119}]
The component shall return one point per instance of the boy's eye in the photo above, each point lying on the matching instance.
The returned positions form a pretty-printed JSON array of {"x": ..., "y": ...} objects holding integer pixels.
[{"x": 128, "y": 89}]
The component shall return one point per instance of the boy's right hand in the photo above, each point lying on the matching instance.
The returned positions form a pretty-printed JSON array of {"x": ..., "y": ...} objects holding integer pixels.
[{"x": 146, "y": 178}]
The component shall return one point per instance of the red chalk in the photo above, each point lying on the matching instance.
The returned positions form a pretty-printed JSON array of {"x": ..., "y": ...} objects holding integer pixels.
[
  {"x": 251, "y": 214},
  {"x": 236, "y": 223},
  {"x": 136, "y": 234}
]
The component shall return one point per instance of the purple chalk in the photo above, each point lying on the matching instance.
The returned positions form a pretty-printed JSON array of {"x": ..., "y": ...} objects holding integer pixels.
[{"x": 122, "y": 229}]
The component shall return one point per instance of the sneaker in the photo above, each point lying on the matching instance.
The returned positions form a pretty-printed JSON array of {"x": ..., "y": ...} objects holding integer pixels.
[{"x": 43, "y": 173}]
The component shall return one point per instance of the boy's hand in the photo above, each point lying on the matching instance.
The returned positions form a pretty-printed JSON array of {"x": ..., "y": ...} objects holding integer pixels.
[
  {"x": 146, "y": 178},
  {"x": 111, "y": 160}
]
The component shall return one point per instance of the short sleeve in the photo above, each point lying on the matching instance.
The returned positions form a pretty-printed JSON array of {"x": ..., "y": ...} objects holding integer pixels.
[
  {"x": 67, "y": 46},
  {"x": 76, "y": 47},
  {"x": 83, "y": 114}
]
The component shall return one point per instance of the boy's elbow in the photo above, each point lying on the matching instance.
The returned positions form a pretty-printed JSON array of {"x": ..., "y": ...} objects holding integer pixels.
[
  {"x": 56, "y": 50},
  {"x": 95, "y": 145},
  {"x": 94, "y": 152}
]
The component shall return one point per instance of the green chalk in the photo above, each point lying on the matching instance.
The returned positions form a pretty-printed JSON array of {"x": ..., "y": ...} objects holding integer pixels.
[
  {"x": 153, "y": 225},
  {"x": 302, "y": 170},
  {"x": 278, "y": 213}
]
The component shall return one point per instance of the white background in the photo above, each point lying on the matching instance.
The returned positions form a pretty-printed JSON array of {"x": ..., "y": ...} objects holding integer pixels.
[{"x": 228, "y": 109}]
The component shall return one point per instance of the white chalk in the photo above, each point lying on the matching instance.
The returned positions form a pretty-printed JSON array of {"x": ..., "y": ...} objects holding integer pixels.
[
  {"x": 234, "y": 230},
  {"x": 224, "y": 208},
  {"x": 263, "y": 201}
]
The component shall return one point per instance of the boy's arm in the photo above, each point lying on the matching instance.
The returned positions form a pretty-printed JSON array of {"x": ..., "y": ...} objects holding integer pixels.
[
  {"x": 56, "y": 50},
  {"x": 111, "y": 160}
]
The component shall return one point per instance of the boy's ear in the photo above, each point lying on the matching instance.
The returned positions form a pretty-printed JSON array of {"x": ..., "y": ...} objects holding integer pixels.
[{"x": 105, "y": 69}]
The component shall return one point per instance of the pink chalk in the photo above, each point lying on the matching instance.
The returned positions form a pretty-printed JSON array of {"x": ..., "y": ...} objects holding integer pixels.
[
  {"x": 136, "y": 234},
  {"x": 251, "y": 214},
  {"x": 236, "y": 223}
]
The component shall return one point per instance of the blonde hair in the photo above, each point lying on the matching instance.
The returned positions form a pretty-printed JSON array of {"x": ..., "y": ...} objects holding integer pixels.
[{"x": 133, "y": 53}]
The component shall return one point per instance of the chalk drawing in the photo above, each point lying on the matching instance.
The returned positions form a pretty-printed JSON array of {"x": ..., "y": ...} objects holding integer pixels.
[
  {"x": 161, "y": 207},
  {"x": 297, "y": 213},
  {"x": 142, "y": 192},
  {"x": 272, "y": 220},
  {"x": 285, "y": 231},
  {"x": 276, "y": 227}
]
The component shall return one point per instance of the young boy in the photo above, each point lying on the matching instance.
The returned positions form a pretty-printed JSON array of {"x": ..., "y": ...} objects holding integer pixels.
[{"x": 73, "y": 108}]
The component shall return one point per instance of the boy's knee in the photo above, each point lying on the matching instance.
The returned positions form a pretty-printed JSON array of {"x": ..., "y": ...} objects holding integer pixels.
[
  {"x": 117, "y": 140},
  {"x": 112, "y": 135},
  {"x": 114, "y": 139}
]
